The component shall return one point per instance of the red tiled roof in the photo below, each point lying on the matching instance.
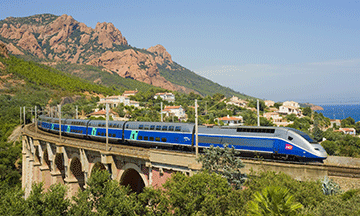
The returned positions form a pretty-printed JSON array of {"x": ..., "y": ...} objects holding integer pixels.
[
  {"x": 102, "y": 112},
  {"x": 172, "y": 107},
  {"x": 230, "y": 118}
]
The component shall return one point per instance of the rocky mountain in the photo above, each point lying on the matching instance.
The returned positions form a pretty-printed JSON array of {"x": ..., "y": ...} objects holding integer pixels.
[{"x": 53, "y": 39}]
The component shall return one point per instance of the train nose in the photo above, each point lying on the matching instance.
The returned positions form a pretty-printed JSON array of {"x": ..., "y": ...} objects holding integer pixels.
[{"x": 320, "y": 151}]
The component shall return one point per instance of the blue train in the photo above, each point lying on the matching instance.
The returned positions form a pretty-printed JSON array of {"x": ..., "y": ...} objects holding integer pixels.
[{"x": 277, "y": 142}]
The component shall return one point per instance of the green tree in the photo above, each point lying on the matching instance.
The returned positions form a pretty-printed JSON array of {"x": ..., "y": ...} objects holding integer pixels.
[
  {"x": 317, "y": 133},
  {"x": 307, "y": 111},
  {"x": 274, "y": 201},
  {"x": 104, "y": 195},
  {"x": 225, "y": 162}
]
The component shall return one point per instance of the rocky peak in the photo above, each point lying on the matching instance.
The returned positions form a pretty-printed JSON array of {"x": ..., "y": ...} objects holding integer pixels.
[
  {"x": 3, "y": 50},
  {"x": 161, "y": 54},
  {"x": 108, "y": 34}
]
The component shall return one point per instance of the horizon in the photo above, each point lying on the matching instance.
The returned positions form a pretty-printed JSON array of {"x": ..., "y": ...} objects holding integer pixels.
[{"x": 302, "y": 51}]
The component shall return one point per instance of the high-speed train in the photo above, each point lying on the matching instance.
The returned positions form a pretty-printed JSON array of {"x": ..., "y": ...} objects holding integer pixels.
[{"x": 278, "y": 142}]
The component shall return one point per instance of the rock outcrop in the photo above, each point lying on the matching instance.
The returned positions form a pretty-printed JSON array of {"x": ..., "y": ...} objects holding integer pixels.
[{"x": 62, "y": 38}]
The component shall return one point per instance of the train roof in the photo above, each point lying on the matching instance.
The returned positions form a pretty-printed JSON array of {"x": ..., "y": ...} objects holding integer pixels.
[{"x": 183, "y": 127}]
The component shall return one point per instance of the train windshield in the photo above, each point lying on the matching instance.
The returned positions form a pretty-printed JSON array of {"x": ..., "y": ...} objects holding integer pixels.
[{"x": 304, "y": 135}]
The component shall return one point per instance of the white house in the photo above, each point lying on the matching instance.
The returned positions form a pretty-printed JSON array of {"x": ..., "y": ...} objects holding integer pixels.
[
  {"x": 269, "y": 103},
  {"x": 350, "y": 131},
  {"x": 102, "y": 113},
  {"x": 291, "y": 103},
  {"x": 177, "y": 111},
  {"x": 290, "y": 107},
  {"x": 237, "y": 102},
  {"x": 231, "y": 120},
  {"x": 275, "y": 117},
  {"x": 170, "y": 97},
  {"x": 289, "y": 110},
  {"x": 114, "y": 101},
  {"x": 130, "y": 93}
]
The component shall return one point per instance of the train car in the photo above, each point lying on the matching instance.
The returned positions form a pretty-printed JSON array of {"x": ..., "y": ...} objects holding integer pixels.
[
  {"x": 159, "y": 133},
  {"x": 51, "y": 124},
  {"x": 97, "y": 130},
  {"x": 284, "y": 143},
  {"x": 44, "y": 123},
  {"x": 75, "y": 128}
]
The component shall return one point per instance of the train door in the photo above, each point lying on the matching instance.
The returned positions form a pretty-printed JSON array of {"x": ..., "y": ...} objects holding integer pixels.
[{"x": 276, "y": 146}]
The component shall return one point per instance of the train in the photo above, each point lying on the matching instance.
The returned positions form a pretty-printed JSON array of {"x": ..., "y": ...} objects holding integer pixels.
[{"x": 276, "y": 142}]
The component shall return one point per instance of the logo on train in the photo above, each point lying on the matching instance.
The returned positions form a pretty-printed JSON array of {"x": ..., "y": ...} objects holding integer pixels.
[{"x": 288, "y": 147}]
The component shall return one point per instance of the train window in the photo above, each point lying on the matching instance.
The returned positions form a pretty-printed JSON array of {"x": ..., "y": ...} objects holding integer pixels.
[
  {"x": 290, "y": 138},
  {"x": 171, "y": 128},
  {"x": 163, "y": 139},
  {"x": 146, "y": 127},
  {"x": 141, "y": 126},
  {"x": 139, "y": 137},
  {"x": 164, "y": 128},
  {"x": 152, "y": 127},
  {"x": 157, "y": 139},
  {"x": 151, "y": 138},
  {"x": 127, "y": 126},
  {"x": 178, "y": 128},
  {"x": 146, "y": 137},
  {"x": 158, "y": 127}
]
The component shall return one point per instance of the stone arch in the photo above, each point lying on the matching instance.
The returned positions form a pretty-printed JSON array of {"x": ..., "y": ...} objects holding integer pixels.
[
  {"x": 59, "y": 165},
  {"x": 76, "y": 172},
  {"x": 97, "y": 166},
  {"x": 37, "y": 155},
  {"x": 132, "y": 175},
  {"x": 46, "y": 159}
]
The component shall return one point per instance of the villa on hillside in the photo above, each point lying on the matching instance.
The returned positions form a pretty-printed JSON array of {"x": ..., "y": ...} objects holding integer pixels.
[
  {"x": 290, "y": 107},
  {"x": 350, "y": 131},
  {"x": 177, "y": 111},
  {"x": 269, "y": 103},
  {"x": 114, "y": 101},
  {"x": 130, "y": 93},
  {"x": 170, "y": 97},
  {"x": 275, "y": 117},
  {"x": 237, "y": 102},
  {"x": 337, "y": 122},
  {"x": 233, "y": 120},
  {"x": 102, "y": 113}
]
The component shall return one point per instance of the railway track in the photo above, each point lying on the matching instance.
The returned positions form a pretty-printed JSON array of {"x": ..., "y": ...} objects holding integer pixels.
[{"x": 332, "y": 169}]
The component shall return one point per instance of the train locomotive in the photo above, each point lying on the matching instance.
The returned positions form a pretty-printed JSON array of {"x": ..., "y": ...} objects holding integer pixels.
[{"x": 277, "y": 142}]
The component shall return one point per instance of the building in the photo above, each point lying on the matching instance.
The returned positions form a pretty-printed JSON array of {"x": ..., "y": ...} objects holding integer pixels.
[
  {"x": 170, "y": 97},
  {"x": 177, "y": 111},
  {"x": 290, "y": 107},
  {"x": 350, "y": 131},
  {"x": 114, "y": 101},
  {"x": 269, "y": 103},
  {"x": 337, "y": 122},
  {"x": 231, "y": 120},
  {"x": 237, "y": 102},
  {"x": 102, "y": 113},
  {"x": 275, "y": 117},
  {"x": 291, "y": 104},
  {"x": 130, "y": 93}
]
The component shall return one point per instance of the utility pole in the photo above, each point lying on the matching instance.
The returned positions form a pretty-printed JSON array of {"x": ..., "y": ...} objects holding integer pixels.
[
  {"x": 196, "y": 130},
  {"x": 35, "y": 121},
  {"x": 20, "y": 116},
  {"x": 24, "y": 115},
  {"x": 258, "y": 116},
  {"x": 107, "y": 126},
  {"x": 77, "y": 117},
  {"x": 205, "y": 107},
  {"x": 59, "y": 113},
  {"x": 161, "y": 112}
]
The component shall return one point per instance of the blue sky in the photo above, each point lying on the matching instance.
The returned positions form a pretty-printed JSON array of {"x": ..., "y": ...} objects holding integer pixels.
[{"x": 307, "y": 51}]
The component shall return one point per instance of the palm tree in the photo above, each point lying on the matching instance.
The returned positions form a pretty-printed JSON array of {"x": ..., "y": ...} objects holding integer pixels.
[{"x": 273, "y": 201}]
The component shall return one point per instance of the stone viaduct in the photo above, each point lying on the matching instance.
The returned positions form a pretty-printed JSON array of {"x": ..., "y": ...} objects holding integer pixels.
[{"x": 71, "y": 161}]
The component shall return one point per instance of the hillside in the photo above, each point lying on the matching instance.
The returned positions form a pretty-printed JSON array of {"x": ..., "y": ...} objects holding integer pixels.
[{"x": 64, "y": 43}]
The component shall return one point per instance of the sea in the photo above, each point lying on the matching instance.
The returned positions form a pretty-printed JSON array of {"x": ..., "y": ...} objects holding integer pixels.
[{"x": 341, "y": 111}]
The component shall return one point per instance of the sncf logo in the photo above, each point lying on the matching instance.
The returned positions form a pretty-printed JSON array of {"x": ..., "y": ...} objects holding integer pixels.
[{"x": 288, "y": 147}]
